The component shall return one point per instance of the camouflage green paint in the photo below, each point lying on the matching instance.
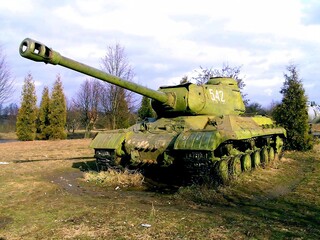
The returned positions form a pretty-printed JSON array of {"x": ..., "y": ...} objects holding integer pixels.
[
  {"x": 217, "y": 97},
  {"x": 203, "y": 125},
  {"x": 38, "y": 52}
]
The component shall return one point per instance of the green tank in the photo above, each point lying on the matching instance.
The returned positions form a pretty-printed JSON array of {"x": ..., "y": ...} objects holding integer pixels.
[{"x": 200, "y": 132}]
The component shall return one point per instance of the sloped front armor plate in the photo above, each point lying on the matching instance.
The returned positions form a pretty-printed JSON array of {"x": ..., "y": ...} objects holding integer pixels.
[
  {"x": 198, "y": 140},
  {"x": 149, "y": 148},
  {"x": 149, "y": 142}
]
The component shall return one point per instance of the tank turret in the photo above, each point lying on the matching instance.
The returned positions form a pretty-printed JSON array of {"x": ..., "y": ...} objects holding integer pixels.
[
  {"x": 219, "y": 96},
  {"x": 200, "y": 133}
]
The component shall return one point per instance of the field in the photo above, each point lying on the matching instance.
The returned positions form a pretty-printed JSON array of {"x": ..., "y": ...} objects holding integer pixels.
[{"x": 44, "y": 196}]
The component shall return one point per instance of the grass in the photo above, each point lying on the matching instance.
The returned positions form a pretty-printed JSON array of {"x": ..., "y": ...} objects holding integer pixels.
[
  {"x": 116, "y": 179},
  {"x": 8, "y": 135},
  {"x": 78, "y": 134},
  {"x": 45, "y": 195}
]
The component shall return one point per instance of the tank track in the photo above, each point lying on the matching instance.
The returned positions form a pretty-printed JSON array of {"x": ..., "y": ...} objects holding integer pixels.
[
  {"x": 230, "y": 160},
  {"x": 197, "y": 167},
  {"x": 219, "y": 166},
  {"x": 105, "y": 159}
]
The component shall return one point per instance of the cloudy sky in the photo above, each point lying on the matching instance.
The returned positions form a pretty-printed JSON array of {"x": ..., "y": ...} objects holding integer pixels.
[{"x": 166, "y": 40}]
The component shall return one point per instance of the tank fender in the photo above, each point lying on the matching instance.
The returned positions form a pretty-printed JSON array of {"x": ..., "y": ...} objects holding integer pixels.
[
  {"x": 110, "y": 140},
  {"x": 198, "y": 140}
]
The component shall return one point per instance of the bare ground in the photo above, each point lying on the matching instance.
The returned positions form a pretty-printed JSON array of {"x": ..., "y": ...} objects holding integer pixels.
[{"x": 44, "y": 196}]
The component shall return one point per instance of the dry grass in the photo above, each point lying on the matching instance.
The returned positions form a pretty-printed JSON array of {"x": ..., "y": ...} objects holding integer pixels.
[
  {"x": 116, "y": 179},
  {"x": 45, "y": 150},
  {"x": 44, "y": 195},
  {"x": 8, "y": 135}
]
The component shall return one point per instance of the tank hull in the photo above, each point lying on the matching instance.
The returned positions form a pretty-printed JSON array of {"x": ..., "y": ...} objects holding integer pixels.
[{"x": 200, "y": 147}]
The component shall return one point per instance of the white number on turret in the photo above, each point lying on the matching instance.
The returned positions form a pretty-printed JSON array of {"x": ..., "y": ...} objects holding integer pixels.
[{"x": 217, "y": 95}]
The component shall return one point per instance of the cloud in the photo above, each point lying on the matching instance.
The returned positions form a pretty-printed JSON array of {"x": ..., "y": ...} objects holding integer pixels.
[
  {"x": 310, "y": 12},
  {"x": 165, "y": 40}
]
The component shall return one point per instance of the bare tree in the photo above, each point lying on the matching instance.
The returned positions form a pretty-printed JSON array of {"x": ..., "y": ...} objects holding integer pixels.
[
  {"x": 87, "y": 101},
  {"x": 8, "y": 117},
  {"x": 116, "y": 101},
  {"x": 204, "y": 74},
  {"x": 6, "y": 81},
  {"x": 73, "y": 116},
  {"x": 228, "y": 71}
]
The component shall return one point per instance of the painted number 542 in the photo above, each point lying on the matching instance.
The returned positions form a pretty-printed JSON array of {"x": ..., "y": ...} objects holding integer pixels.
[{"x": 216, "y": 95}]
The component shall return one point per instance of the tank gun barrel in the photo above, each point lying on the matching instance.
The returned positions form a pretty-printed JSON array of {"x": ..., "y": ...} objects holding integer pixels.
[{"x": 39, "y": 52}]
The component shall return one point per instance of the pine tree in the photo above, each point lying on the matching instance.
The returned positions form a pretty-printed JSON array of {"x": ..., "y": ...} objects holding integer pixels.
[
  {"x": 145, "y": 110},
  {"x": 43, "y": 117},
  {"x": 292, "y": 113},
  {"x": 58, "y": 111},
  {"x": 122, "y": 117},
  {"x": 27, "y": 115}
]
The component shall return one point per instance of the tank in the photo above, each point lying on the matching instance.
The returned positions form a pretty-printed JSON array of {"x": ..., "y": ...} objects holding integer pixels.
[{"x": 200, "y": 134}]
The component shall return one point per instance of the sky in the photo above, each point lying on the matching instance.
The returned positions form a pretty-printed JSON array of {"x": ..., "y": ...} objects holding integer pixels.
[{"x": 169, "y": 39}]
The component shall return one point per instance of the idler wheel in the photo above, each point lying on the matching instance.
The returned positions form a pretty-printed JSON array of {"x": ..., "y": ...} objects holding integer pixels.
[
  {"x": 235, "y": 166},
  {"x": 246, "y": 163},
  {"x": 255, "y": 159},
  {"x": 264, "y": 156},
  {"x": 271, "y": 154}
]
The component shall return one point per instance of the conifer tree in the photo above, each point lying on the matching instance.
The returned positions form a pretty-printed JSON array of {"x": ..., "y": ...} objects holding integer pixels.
[
  {"x": 292, "y": 113},
  {"x": 122, "y": 119},
  {"x": 27, "y": 115},
  {"x": 43, "y": 117},
  {"x": 145, "y": 110},
  {"x": 58, "y": 111}
]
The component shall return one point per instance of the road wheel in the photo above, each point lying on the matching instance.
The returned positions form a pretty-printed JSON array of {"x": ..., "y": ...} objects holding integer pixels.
[
  {"x": 222, "y": 171},
  {"x": 246, "y": 163},
  {"x": 264, "y": 156},
  {"x": 271, "y": 154},
  {"x": 255, "y": 159},
  {"x": 235, "y": 166}
]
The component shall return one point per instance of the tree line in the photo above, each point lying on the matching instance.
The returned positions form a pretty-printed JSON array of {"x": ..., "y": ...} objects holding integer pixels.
[
  {"x": 46, "y": 122},
  {"x": 96, "y": 105},
  {"x": 102, "y": 105}
]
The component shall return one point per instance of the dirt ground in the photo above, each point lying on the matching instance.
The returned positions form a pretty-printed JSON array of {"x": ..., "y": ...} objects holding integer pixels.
[{"x": 44, "y": 196}]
